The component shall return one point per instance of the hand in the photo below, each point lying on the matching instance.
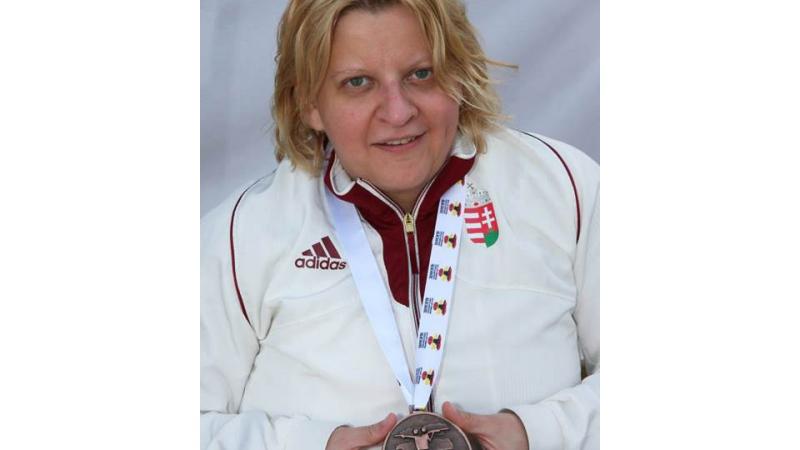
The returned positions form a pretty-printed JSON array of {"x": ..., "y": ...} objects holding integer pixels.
[
  {"x": 502, "y": 431},
  {"x": 354, "y": 438}
]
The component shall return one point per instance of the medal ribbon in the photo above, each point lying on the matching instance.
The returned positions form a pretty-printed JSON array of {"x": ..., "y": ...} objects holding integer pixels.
[{"x": 437, "y": 299}]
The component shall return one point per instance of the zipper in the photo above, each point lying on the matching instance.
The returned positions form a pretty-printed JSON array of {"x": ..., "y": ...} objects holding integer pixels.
[
  {"x": 413, "y": 281},
  {"x": 415, "y": 211},
  {"x": 408, "y": 223},
  {"x": 418, "y": 295},
  {"x": 399, "y": 211},
  {"x": 411, "y": 242}
]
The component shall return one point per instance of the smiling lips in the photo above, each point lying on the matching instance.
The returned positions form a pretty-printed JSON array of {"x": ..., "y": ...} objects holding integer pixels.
[{"x": 400, "y": 142}]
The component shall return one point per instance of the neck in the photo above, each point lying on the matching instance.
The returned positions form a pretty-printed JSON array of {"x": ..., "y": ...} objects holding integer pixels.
[{"x": 406, "y": 199}]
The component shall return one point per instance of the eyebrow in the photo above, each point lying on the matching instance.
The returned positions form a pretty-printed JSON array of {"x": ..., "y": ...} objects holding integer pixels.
[
  {"x": 346, "y": 71},
  {"x": 358, "y": 70}
]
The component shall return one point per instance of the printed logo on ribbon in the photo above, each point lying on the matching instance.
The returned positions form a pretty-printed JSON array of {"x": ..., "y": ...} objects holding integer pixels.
[
  {"x": 479, "y": 217},
  {"x": 433, "y": 271},
  {"x": 435, "y": 341},
  {"x": 430, "y": 340},
  {"x": 444, "y": 273},
  {"x": 450, "y": 207},
  {"x": 423, "y": 339},
  {"x": 445, "y": 239},
  {"x": 425, "y": 376},
  {"x": 431, "y": 305}
]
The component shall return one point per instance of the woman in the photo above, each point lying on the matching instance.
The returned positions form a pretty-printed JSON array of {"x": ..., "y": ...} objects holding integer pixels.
[{"x": 408, "y": 253}]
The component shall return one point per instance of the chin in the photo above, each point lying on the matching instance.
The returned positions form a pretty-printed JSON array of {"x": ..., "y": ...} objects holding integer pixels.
[
  {"x": 411, "y": 176},
  {"x": 405, "y": 185}
]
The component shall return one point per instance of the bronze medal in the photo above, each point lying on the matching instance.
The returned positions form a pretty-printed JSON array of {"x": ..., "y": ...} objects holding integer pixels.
[{"x": 426, "y": 431}]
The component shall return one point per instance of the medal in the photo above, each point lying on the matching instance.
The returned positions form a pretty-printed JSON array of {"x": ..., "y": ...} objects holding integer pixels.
[{"x": 426, "y": 431}]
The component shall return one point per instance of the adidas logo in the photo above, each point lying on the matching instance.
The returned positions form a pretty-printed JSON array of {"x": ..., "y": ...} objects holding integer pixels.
[{"x": 322, "y": 255}]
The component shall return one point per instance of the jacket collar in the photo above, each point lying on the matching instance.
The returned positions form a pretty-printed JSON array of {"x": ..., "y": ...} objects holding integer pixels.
[{"x": 376, "y": 206}]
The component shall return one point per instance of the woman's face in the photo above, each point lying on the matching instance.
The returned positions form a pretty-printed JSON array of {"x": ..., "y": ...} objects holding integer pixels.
[{"x": 388, "y": 120}]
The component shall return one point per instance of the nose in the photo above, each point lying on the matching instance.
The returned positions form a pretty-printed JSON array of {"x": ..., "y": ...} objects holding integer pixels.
[{"x": 396, "y": 108}]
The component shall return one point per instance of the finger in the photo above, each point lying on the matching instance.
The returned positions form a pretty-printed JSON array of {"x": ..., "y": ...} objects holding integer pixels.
[
  {"x": 464, "y": 420},
  {"x": 375, "y": 433}
]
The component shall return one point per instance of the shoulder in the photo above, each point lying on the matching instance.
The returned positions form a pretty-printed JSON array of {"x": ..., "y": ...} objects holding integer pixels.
[
  {"x": 548, "y": 158},
  {"x": 244, "y": 237},
  {"x": 543, "y": 173},
  {"x": 257, "y": 203},
  {"x": 544, "y": 154},
  {"x": 215, "y": 223}
]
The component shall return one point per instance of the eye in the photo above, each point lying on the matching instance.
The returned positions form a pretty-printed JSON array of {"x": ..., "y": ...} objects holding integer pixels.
[
  {"x": 422, "y": 74},
  {"x": 356, "y": 82}
]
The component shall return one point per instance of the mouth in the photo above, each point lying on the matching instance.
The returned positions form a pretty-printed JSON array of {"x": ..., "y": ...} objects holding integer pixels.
[{"x": 399, "y": 144}]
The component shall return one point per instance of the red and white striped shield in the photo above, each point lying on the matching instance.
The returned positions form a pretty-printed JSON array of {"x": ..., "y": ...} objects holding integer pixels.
[{"x": 481, "y": 224}]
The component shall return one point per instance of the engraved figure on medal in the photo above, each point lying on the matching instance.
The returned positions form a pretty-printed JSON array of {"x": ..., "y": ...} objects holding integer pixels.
[
  {"x": 426, "y": 431},
  {"x": 422, "y": 436}
]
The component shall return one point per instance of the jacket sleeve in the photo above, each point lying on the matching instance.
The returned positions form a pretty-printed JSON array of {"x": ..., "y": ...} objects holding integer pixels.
[
  {"x": 569, "y": 419},
  {"x": 228, "y": 348}
]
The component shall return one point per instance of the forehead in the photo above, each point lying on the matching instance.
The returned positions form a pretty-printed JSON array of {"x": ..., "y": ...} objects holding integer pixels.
[{"x": 389, "y": 35}]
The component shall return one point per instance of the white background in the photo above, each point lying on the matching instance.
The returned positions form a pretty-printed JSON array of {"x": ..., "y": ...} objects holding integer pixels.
[
  {"x": 99, "y": 168},
  {"x": 556, "y": 90}
]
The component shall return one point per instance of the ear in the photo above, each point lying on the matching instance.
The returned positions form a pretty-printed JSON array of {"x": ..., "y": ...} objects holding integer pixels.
[{"x": 313, "y": 119}]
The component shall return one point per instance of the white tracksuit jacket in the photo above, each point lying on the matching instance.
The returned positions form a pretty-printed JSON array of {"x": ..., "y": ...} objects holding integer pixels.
[{"x": 287, "y": 352}]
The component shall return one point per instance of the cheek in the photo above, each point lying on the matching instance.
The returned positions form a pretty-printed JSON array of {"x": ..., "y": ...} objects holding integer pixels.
[
  {"x": 444, "y": 111},
  {"x": 347, "y": 125},
  {"x": 450, "y": 112}
]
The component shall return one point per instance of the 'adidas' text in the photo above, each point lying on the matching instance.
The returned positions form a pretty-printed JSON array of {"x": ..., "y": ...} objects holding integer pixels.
[{"x": 316, "y": 262}]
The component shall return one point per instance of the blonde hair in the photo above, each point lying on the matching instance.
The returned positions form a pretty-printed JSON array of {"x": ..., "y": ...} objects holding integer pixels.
[{"x": 305, "y": 34}]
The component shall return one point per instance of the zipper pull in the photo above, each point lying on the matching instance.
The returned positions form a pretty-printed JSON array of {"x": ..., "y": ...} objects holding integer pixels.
[{"x": 409, "y": 223}]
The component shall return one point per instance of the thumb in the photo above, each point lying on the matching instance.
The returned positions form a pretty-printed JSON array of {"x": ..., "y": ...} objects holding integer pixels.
[
  {"x": 464, "y": 420},
  {"x": 375, "y": 433}
]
